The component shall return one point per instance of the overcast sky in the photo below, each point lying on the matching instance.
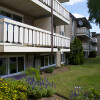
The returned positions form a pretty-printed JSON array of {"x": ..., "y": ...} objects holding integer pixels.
[{"x": 79, "y": 9}]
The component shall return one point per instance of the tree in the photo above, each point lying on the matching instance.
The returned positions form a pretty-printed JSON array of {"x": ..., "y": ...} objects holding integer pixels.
[
  {"x": 76, "y": 54},
  {"x": 94, "y": 11}
]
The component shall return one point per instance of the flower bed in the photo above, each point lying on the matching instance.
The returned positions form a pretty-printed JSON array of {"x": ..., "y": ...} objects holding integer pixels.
[{"x": 26, "y": 85}]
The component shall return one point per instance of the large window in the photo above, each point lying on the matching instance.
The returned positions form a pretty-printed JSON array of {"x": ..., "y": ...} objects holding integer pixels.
[
  {"x": 11, "y": 65},
  {"x": 3, "y": 66},
  {"x": 47, "y": 60},
  {"x": 62, "y": 58},
  {"x": 4, "y": 14}
]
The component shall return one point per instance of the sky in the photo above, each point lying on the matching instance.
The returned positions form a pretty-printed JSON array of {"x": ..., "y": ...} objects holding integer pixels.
[{"x": 79, "y": 9}]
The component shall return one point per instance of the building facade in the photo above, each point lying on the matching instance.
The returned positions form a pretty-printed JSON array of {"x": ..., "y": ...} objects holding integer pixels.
[
  {"x": 80, "y": 28},
  {"x": 25, "y": 35},
  {"x": 98, "y": 44}
]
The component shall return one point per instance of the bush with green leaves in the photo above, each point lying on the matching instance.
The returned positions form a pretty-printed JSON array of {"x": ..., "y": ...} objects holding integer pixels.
[
  {"x": 92, "y": 54},
  {"x": 11, "y": 89},
  {"x": 76, "y": 56},
  {"x": 49, "y": 70},
  {"x": 37, "y": 87},
  {"x": 33, "y": 72}
]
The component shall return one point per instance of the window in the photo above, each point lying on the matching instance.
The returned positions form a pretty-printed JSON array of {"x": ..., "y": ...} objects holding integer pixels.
[
  {"x": 20, "y": 64},
  {"x": 3, "y": 66},
  {"x": 63, "y": 58},
  {"x": 16, "y": 64},
  {"x": 62, "y": 30},
  {"x": 13, "y": 65},
  {"x": 42, "y": 61},
  {"x": 47, "y": 60},
  {"x": 15, "y": 17},
  {"x": 6, "y": 14}
]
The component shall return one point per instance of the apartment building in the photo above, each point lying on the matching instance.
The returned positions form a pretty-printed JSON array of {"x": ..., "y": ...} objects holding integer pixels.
[
  {"x": 98, "y": 44},
  {"x": 25, "y": 35},
  {"x": 79, "y": 27},
  {"x": 94, "y": 41}
]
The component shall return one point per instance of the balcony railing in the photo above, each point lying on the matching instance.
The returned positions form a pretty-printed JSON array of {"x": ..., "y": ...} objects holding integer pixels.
[
  {"x": 94, "y": 48},
  {"x": 83, "y": 30},
  {"x": 94, "y": 39},
  {"x": 57, "y": 7},
  {"x": 85, "y": 46},
  {"x": 16, "y": 33}
]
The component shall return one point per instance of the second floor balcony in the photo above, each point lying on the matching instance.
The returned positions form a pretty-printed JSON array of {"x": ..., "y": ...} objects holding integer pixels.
[
  {"x": 85, "y": 46},
  {"x": 83, "y": 32},
  {"x": 94, "y": 40},
  {"x": 20, "y": 37}
]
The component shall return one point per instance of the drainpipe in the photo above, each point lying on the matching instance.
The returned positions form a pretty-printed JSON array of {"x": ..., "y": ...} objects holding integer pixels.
[{"x": 52, "y": 26}]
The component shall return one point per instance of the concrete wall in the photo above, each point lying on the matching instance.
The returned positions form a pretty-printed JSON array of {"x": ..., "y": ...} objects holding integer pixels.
[
  {"x": 44, "y": 23},
  {"x": 98, "y": 45}
]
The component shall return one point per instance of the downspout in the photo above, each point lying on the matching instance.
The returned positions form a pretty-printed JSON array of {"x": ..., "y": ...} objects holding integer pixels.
[{"x": 52, "y": 26}]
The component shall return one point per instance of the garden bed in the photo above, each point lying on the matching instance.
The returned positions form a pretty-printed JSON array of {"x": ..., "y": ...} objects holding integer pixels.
[{"x": 56, "y": 71}]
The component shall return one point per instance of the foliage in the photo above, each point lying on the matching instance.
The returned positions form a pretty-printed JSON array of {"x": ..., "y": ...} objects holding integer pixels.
[
  {"x": 92, "y": 54},
  {"x": 33, "y": 72},
  {"x": 81, "y": 57},
  {"x": 76, "y": 54},
  {"x": 22, "y": 86},
  {"x": 94, "y": 11},
  {"x": 79, "y": 94},
  {"x": 49, "y": 70},
  {"x": 39, "y": 89},
  {"x": 12, "y": 90}
]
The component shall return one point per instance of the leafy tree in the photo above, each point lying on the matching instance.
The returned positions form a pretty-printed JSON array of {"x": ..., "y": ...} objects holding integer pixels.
[{"x": 94, "y": 11}]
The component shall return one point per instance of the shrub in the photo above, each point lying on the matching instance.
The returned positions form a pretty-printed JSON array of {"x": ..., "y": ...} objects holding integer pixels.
[
  {"x": 81, "y": 57},
  {"x": 76, "y": 56},
  {"x": 39, "y": 89},
  {"x": 79, "y": 94},
  {"x": 12, "y": 89},
  {"x": 33, "y": 72},
  {"x": 49, "y": 70},
  {"x": 92, "y": 54},
  {"x": 77, "y": 59}
]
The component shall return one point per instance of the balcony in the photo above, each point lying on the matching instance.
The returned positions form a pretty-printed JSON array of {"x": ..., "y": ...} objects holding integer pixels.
[
  {"x": 39, "y": 9},
  {"x": 57, "y": 7},
  {"x": 94, "y": 40},
  {"x": 94, "y": 48},
  {"x": 85, "y": 47},
  {"x": 19, "y": 37},
  {"x": 83, "y": 32}
]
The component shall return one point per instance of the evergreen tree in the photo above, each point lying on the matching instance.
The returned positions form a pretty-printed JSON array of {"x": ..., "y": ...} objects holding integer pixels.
[{"x": 76, "y": 54}]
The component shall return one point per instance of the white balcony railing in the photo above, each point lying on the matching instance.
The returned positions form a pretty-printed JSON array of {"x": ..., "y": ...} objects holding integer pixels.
[
  {"x": 16, "y": 33},
  {"x": 94, "y": 39},
  {"x": 85, "y": 46},
  {"x": 94, "y": 48},
  {"x": 83, "y": 30},
  {"x": 57, "y": 7}
]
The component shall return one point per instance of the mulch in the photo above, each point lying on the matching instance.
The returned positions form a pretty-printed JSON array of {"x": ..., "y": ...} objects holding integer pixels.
[{"x": 56, "y": 71}]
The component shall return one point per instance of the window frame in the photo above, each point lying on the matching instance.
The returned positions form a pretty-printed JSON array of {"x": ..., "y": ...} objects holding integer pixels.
[{"x": 8, "y": 65}]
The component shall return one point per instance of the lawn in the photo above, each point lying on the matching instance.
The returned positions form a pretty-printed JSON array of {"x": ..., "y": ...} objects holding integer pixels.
[{"x": 86, "y": 76}]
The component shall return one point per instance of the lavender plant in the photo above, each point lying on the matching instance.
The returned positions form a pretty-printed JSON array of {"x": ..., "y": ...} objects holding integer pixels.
[{"x": 79, "y": 94}]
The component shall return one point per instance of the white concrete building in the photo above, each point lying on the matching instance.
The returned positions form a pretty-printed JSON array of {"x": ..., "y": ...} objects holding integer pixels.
[{"x": 25, "y": 35}]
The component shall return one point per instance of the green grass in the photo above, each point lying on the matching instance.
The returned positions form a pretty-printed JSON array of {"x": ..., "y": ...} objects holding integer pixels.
[{"x": 86, "y": 76}]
